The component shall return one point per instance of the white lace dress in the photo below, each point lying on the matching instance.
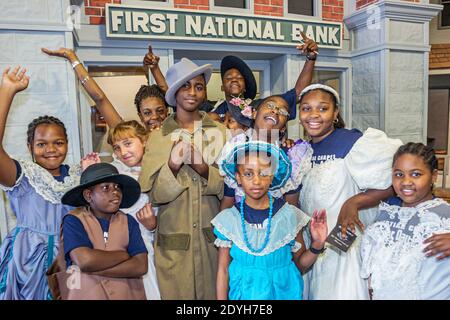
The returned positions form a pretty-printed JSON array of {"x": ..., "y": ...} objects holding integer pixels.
[
  {"x": 392, "y": 255},
  {"x": 150, "y": 281},
  {"x": 367, "y": 165}
]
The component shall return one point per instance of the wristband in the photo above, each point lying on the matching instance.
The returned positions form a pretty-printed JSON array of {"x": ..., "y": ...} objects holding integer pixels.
[
  {"x": 310, "y": 58},
  {"x": 75, "y": 63},
  {"x": 317, "y": 251}
]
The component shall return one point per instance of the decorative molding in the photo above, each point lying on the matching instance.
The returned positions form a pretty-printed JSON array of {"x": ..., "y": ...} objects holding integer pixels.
[{"x": 398, "y": 10}]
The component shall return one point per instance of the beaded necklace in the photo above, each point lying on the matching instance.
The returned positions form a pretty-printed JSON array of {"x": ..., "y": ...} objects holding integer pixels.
[{"x": 244, "y": 230}]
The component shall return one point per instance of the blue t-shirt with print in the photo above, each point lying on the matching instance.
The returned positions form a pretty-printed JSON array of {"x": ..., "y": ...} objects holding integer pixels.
[
  {"x": 335, "y": 146},
  {"x": 75, "y": 236},
  {"x": 256, "y": 217}
]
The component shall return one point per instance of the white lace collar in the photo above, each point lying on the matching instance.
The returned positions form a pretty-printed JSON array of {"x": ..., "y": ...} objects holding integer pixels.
[
  {"x": 124, "y": 169},
  {"x": 45, "y": 184},
  {"x": 406, "y": 213}
]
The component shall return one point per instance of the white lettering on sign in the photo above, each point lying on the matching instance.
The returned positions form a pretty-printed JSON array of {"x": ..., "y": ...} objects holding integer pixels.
[
  {"x": 332, "y": 36},
  {"x": 220, "y": 24},
  {"x": 296, "y": 32},
  {"x": 140, "y": 20},
  {"x": 278, "y": 28},
  {"x": 268, "y": 31},
  {"x": 158, "y": 22},
  {"x": 240, "y": 28},
  {"x": 208, "y": 28},
  {"x": 128, "y": 21},
  {"x": 254, "y": 29},
  {"x": 321, "y": 34},
  {"x": 193, "y": 25},
  {"x": 172, "y": 19},
  {"x": 116, "y": 18}
]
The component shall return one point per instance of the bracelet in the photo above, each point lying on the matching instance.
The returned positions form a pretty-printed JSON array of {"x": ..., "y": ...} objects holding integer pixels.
[
  {"x": 85, "y": 79},
  {"x": 309, "y": 58},
  {"x": 75, "y": 63},
  {"x": 316, "y": 251}
]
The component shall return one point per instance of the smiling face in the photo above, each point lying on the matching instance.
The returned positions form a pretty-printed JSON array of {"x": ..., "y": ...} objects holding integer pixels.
[
  {"x": 191, "y": 94},
  {"x": 317, "y": 113},
  {"x": 104, "y": 198},
  {"x": 412, "y": 179},
  {"x": 271, "y": 114},
  {"x": 152, "y": 112},
  {"x": 233, "y": 83},
  {"x": 49, "y": 147},
  {"x": 255, "y": 175},
  {"x": 129, "y": 151}
]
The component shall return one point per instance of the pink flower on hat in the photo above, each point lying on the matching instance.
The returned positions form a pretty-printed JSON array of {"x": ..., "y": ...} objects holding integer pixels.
[{"x": 244, "y": 105}]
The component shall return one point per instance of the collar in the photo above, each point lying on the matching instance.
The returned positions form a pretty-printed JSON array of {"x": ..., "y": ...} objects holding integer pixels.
[{"x": 170, "y": 125}]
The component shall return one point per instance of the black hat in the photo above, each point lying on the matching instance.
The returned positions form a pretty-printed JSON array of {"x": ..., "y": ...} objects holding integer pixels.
[
  {"x": 98, "y": 173},
  {"x": 230, "y": 62},
  {"x": 238, "y": 116}
]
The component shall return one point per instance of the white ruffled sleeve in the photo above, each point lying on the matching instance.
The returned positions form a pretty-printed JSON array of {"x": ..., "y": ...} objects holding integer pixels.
[{"x": 370, "y": 160}]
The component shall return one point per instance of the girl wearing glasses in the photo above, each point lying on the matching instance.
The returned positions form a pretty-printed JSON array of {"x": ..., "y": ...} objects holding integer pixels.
[{"x": 262, "y": 252}]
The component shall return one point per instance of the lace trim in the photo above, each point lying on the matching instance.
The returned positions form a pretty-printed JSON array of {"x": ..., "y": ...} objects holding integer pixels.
[
  {"x": 5, "y": 188},
  {"x": 45, "y": 184},
  {"x": 300, "y": 156},
  {"x": 237, "y": 239},
  {"x": 394, "y": 265},
  {"x": 222, "y": 243}
]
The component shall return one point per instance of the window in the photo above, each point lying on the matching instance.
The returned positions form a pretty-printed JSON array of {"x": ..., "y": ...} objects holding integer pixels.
[
  {"x": 304, "y": 7},
  {"x": 444, "y": 16},
  {"x": 231, "y": 3},
  {"x": 438, "y": 119}
]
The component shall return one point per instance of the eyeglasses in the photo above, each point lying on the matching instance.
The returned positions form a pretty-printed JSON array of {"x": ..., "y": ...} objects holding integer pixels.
[
  {"x": 272, "y": 106},
  {"x": 265, "y": 174}
]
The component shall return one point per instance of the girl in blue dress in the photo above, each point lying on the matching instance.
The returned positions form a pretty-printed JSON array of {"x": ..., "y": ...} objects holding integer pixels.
[
  {"x": 34, "y": 189},
  {"x": 262, "y": 252}
]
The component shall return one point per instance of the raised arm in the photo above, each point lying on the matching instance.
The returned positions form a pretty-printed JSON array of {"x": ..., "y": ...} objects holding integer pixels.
[
  {"x": 105, "y": 107},
  {"x": 151, "y": 62},
  {"x": 310, "y": 49},
  {"x": 12, "y": 83}
]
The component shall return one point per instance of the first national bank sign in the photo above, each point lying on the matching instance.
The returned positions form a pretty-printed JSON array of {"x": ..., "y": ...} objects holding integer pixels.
[{"x": 124, "y": 21}]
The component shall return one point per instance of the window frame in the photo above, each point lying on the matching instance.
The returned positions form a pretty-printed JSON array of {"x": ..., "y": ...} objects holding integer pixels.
[
  {"x": 317, "y": 11},
  {"x": 440, "y": 26},
  {"x": 248, "y": 10}
]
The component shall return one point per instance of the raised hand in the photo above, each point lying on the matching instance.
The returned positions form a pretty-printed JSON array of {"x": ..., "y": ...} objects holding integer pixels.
[
  {"x": 15, "y": 80},
  {"x": 309, "y": 47},
  {"x": 150, "y": 59},
  {"x": 90, "y": 159},
  {"x": 147, "y": 217},
  {"x": 65, "y": 53},
  {"x": 319, "y": 228},
  {"x": 179, "y": 154}
]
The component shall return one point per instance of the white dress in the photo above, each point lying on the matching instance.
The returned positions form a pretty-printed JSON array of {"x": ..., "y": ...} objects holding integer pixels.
[
  {"x": 393, "y": 257},
  {"x": 364, "y": 164},
  {"x": 150, "y": 281}
]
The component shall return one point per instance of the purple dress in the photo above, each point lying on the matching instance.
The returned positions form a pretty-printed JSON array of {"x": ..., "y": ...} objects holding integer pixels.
[{"x": 29, "y": 249}]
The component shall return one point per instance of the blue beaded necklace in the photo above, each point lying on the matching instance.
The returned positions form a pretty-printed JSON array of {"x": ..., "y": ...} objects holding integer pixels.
[{"x": 244, "y": 230}]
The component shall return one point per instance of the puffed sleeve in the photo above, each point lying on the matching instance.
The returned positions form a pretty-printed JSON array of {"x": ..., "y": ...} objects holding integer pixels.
[
  {"x": 370, "y": 160},
  {"x": 221, "y": 241}
]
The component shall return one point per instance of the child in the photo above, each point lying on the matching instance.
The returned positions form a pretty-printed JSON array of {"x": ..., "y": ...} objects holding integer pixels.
[
  {"x": 270, "y": 119},
  {"x": 186, "y": 186},
  {"x": 102, "y": 242},
  {"x": 149, "y": 100},
  {"x": 34, "y": 189},
  {"x": 128, "y": 140},
  {"x": 239, "y": 82},
  {"x": 392, "y": 252},
  {"x": 345, "y": 163},
  {"x": 262, "y": 236}
]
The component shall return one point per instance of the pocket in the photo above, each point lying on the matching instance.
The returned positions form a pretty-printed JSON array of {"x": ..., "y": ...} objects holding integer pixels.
[
  {"x": 209, "y": 234},
  {"x": 176, "y": 241}
]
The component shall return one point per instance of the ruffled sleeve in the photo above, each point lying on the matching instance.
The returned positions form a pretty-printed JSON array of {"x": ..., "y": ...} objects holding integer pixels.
[
  {"x": 221, "y": 241},
  {"x": 370, "y": 160}
]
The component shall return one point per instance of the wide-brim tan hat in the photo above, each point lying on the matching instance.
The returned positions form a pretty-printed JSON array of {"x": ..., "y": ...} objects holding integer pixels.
[{"x": 180, "y": 73}]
